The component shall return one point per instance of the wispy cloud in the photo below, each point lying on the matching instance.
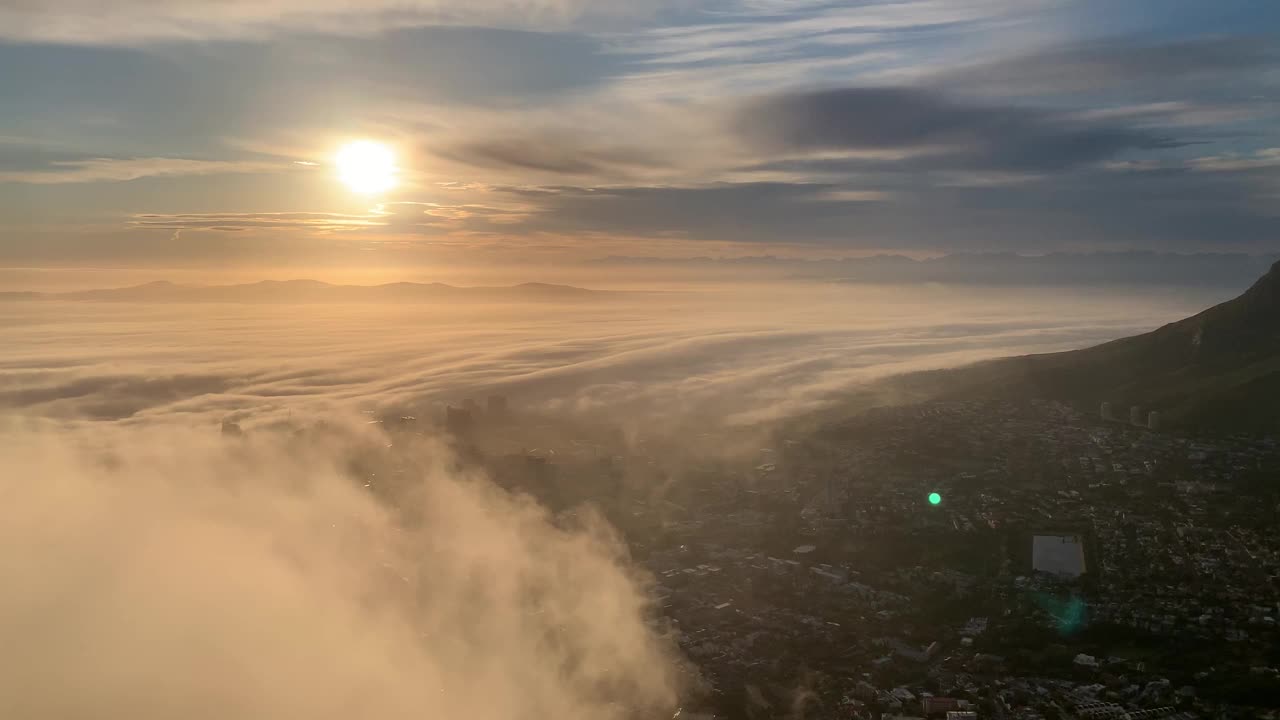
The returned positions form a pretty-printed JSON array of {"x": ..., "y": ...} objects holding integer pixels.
[
  {"x": 391, "y": 216},
  {"x": 1262, "y": 159},
  {"x": 920, "y": 124},
  {"x": 558, "y": 155},
  {"x": 130, "y": 22},
  {"x": 231, "y": 222},
  {"x": 1134, "y": 65},
  {"x": 953, "y": 132},
  {"x": 719, "y": 25},
  {"x": 125, "y": 169}
]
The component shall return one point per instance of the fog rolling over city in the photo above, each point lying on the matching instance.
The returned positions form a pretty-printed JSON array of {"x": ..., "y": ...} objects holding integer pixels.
[
  {"x": 639, "y": 359},
  {"x": 168, "y": 573},
  {"x": 723, "y": 356},
  {"x": 171, "y": 570}
]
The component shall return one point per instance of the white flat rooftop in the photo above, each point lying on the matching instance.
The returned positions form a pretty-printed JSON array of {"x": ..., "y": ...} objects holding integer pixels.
[{"x": 1058, "y": 554}]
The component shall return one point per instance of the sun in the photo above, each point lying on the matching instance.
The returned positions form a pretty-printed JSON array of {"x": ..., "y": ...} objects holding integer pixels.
[{"x": 366, "y": 167}]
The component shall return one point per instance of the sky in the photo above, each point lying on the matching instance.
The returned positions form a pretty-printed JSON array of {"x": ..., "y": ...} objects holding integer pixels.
[{"x": 191, "y": 134}]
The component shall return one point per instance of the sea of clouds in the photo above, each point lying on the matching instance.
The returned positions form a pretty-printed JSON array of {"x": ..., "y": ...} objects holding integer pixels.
[
  {"x": 155, "y": 569},
  {"x": 738, "y": 355}
]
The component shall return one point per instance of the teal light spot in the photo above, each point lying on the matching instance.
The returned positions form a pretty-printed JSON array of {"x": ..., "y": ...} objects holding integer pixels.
[
  {"x": 1069, "y": 614},
  {"x": 934, "y": 498}
]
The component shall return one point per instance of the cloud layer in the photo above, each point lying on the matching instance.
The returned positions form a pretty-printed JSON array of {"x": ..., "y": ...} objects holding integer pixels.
[
  {"x": 731, "y": 355},
  {"x": 888, "y": 118},
  {"x": 925, "y": 125},
  {"x": 129, "y": 22},
  {"x": 125, "y": 169},
  {"x": 157, "y": 569},
  {"x": 166, "y": 573}
]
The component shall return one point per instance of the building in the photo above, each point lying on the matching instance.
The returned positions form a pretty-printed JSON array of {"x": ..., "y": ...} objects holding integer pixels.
[
  {"x": 915, "y": 654},
  {"x": 1086, "y": 661},
  {"x": 231, "y": 429},
  {"x": 1106, "y": 411},
  {"x": 1135, "y": 415},
  {"x": 405, "y": 423},
  {"x": 1061, "y": 555},
  {"x": 936, "y": 706},
  {"x": 1153, "y": 420}
]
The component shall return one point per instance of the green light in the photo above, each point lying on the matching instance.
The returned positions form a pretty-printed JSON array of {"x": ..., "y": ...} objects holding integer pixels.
[{"x": 934, "y": 498}]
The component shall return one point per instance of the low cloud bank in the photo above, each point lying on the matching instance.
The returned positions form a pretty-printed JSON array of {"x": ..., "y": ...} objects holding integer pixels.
[
  {"x": 735, "y": 356},
  {"x": 156, "y": 569},
  {"x": 165, "y": 572}
]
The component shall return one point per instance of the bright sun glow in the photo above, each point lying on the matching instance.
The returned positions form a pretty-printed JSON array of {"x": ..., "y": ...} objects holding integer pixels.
[{"x": 367, "y": 167}]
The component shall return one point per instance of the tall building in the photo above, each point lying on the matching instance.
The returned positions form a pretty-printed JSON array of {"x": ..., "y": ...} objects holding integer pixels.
[
  {"x": 1153, "y": 420},
  {"x": 1106, "y": 411},
  {"x": 1135, "y": 415}
]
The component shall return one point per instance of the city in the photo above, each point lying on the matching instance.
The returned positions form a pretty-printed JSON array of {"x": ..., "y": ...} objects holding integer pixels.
[{"x": 977, "y": 559}]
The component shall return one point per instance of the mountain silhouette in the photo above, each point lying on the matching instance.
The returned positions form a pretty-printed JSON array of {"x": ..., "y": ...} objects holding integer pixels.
[
  {"x": 1217, "y": 371},
  {"x": 311, "y": 291}
]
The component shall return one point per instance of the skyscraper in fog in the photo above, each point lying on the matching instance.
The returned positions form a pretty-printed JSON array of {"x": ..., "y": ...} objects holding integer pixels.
[
  {"x": 1153, "y": 420},
  {"x": 1106, "y": 411},
  {"x": 1135, "y": 415}
]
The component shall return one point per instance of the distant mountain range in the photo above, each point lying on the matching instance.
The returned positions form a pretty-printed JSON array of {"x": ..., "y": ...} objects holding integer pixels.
[
  {"x": 1228, "y": 270},
  {"x": 310, "y": 291},
  {"x": 1218, "y": 370}
]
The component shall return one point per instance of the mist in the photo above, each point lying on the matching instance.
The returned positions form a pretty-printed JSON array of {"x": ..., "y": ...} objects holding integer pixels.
[
  {"x": 167, "y": 570},
  {"x": 733, "y": 355},
  {"x": 171, "y": 573}
]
